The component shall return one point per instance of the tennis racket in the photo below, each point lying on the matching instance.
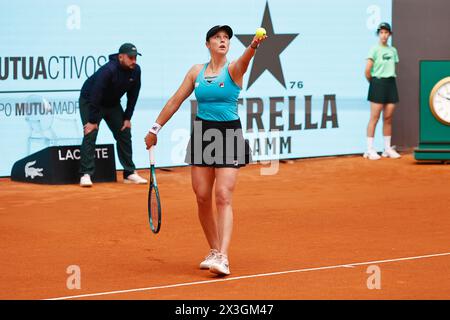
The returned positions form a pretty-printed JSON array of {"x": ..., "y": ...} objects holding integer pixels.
[{"x": 154, "y": 202}]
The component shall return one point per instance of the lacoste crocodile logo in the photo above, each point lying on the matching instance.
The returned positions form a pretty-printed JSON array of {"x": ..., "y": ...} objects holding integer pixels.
[{"x": 33, "y": 172}]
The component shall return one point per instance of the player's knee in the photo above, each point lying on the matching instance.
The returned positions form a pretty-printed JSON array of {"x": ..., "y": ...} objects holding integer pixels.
[
  {"x": 123, "y": 136},
  {"x": 374, "y": 118},
  {"x": 91, "y": 135},
  {"x": 203, "y": 198},
  {"x": 387, "y": 119},
  {"x": 223, "y": 197}
]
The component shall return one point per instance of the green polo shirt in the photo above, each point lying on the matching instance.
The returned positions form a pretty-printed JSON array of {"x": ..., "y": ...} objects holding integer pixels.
[{"x": 384, "y": 58}]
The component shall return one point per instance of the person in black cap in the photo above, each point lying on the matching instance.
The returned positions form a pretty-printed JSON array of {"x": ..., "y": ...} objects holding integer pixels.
[
  {"x": 383, "y": 95},
  {"x": 100, "y": 99},
  {"x": 217, "y": 85}
]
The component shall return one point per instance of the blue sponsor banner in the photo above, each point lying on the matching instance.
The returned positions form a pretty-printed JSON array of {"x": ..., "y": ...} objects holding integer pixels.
[{"x": 304, "y": 94}]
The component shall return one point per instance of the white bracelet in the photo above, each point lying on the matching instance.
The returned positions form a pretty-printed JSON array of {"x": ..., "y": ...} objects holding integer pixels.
[{"x": 155, "y": 128}]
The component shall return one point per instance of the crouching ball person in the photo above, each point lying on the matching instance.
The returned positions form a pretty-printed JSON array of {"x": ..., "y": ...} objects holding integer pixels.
[
  {"x": 217, "y": 85},
  {"x": 100, "y": 99}
]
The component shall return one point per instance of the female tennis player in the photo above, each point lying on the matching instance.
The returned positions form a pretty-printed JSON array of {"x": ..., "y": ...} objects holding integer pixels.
[
  {"x": 217, "y": 147},
  {"x": 383, "y": 94}
]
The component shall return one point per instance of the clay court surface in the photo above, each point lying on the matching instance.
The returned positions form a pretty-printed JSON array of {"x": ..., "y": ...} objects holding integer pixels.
[{"x": 308, "y": 232}]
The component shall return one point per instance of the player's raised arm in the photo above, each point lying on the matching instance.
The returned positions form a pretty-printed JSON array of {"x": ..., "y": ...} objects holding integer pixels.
[{"x": 239, "y": 67}]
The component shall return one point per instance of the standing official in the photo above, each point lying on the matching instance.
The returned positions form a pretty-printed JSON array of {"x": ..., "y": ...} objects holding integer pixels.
[{"x": 100, "y": 99}]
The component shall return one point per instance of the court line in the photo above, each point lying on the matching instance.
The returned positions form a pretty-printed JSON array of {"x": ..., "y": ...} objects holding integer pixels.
[{"x": 346, "y": 265}]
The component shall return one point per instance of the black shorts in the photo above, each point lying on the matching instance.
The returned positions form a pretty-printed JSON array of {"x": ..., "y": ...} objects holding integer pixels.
[
  {"x": 383, "y": 90},
  {"x": 218, "y": 144}
]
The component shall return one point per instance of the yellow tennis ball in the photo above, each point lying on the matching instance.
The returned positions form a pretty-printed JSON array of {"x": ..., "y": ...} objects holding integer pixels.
[{"x": 260, "y": 32}]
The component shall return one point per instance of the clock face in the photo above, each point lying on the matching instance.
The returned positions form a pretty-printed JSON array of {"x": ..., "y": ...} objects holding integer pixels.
[{"x": 440, "y": 101}]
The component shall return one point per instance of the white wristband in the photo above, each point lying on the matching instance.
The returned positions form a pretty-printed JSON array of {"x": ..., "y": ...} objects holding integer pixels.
[{"x": 155, "y": 128}]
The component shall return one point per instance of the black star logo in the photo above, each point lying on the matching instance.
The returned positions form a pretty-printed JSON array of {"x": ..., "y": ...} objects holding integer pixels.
[{"x": 268, "y": 54}]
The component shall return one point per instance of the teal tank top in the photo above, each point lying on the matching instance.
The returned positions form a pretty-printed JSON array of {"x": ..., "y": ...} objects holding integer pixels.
[{"x": 217, "y": 98}]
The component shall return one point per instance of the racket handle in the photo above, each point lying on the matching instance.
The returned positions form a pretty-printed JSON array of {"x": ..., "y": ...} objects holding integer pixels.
[{"x": 151, "y": 153}]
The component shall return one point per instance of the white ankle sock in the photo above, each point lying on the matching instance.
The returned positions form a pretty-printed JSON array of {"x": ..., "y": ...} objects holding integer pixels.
[
  {"x": 369, "y": 143},
  {"x": 387, "y": 142}
]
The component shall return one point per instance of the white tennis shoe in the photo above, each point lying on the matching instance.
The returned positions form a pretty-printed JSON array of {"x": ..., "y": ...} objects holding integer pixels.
[
  {"x": 371, "y": 154},
  {"x": 220, "y": 265},
  {"x": 85, "y": 180},
  {"x": 134, "y": 178},
  {"x": 205, "y": 264},
  {"x": 391, "y": 153}
]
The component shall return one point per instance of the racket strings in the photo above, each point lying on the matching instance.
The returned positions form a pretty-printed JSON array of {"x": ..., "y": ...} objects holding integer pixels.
[
  {"x": 154, "y": 210},
  {"x": 154, "y": 205}
]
